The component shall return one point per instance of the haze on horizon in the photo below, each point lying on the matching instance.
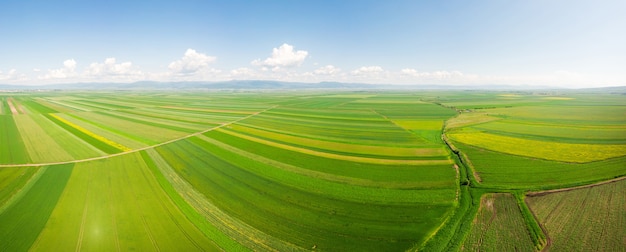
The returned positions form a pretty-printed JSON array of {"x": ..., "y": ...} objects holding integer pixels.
[{"x": 544, "y": 43}]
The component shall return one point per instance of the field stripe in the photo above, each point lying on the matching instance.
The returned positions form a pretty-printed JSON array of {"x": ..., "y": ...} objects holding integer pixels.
[
  {"x": 20, "y": 193},
  {"x": 232, "y": 227},
  {"x": 337, "y": 156},
  {"x": 11, "y": 142},
  {"x": 207, "y": 110},
  {"x": 139, "y": 149},
  {"x": 12, "y": 106},
  {"x": 564, "y": 152},
  {"x": 89, "y": 134},
  {"x": 23, "y": 221},
  {"x": 343, "y": 147},
  {"x": 313, "y": 173}
]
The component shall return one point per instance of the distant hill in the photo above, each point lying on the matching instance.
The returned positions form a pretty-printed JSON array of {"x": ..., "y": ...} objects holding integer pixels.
[{"x": 274, "y": 85}]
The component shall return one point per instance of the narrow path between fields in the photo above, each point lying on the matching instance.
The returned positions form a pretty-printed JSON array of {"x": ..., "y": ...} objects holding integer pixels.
[
  {"x": 540, "y": 193},
  {"x": 140, "y": 149}
]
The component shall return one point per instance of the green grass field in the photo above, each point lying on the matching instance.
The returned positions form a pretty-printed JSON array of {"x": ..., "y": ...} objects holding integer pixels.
[
  {"x": 587, "y": 219},
  {"x": 498, "y": 226},
  {"x": 311, "y": 171}
]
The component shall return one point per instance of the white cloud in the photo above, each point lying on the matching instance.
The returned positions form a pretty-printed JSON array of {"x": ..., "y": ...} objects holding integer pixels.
[
  {"x": 283, "y": 56},
  {"x": 12, "y": 74},
  {"x": 70, "y": 64},
  {"x": 111, "y": 69},
  {"x": 68, "y": 70},
  {"x": 368, "y": 70},
  {"x": 242, "y": 72},
  {"x": 191, "y": 63},
  {"x": 327, "y": 70}
]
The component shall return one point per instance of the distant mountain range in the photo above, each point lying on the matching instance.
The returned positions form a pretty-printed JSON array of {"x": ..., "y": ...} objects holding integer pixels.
[{"x": 271, "y": 85}]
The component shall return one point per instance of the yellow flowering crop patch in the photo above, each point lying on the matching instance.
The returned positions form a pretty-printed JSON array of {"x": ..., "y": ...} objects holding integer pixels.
[
  {"x": 91, "y": 134},
  {"x": 565, "y": 152}
]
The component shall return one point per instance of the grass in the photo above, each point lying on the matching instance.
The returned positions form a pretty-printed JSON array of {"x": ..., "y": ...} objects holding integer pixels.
[
  {"x": 72, "y": 144},
  {"x": 498, "y": 226},
  {"x": 117, "y": 204},
  {"x": 370, "y": 150},
  {"x": 23, "y": 221},
  {"x": 335, "y": 156},
  {"x": 496, "y": 169},
  {"x": 13, "y": 150},
  {"x": 95, "y": 140},
  {"x": 557, "y": 132},
  {"x": 334, "y": 171},
  {"x": 548, "y": 150},
  {"x": 178, "y": 193},
  {"x": 370, "y": 171},
  {"x": 304, "y": 218},
  {"x": 12, "y": 180},
  {"x": 588, "y": 219},
  {"x": 40, "y": 146}
]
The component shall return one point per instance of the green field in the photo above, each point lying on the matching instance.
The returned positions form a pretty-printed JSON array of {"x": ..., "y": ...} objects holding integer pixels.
[
  {"x": 599, "y": 211},
  {"x": 311, "y": 171},
  {"x": 498, "y": 226}
]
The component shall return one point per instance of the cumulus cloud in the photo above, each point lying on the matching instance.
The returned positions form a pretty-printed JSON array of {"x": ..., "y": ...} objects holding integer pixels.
[
  {"x": 367, "y": 70},
  {"x": 68, "y": 70},
  {"x": 110, "y": 68},
  {"x": 192, "y": 62},
  {"x": 327, "y": 70},
  {"x": 242, "y": 72},
  {"x": 283, "y": 56}
]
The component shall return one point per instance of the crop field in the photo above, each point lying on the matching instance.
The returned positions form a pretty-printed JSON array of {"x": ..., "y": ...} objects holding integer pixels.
[
  {"x": 115, "y": 204},
  {"x": 498, "y": 226},
  {"x": 586, "y": 219},
  {"x": 310, "y": 171},
  {"x": 542, "y": 142}
]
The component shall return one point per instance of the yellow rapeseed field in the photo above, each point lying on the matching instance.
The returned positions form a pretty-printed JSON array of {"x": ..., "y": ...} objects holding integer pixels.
[
  {"x": 565, "y": 152},
  {"x": 91, "y": 134}
]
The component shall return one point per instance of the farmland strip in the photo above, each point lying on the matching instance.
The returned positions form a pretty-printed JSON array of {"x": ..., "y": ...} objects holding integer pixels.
[
  {"x": 343, "y": 147},
  {"x": 38, "y": 107},
  {"x": 577, "y": 153},
  {"x": 30, "y": 178},
  {"x": 23, "y": 221},
  {"x": 3, "y": 108},
  {"x": 12, "y": 106},
  {"x": 226, "y": 111},
  {"x": 95, "y": 140},
  {"x": 75, "y": 108},
  {"x": 151, "y": 123},
  {"x": 235, "y": 228},
  {"x": 13, "y": 150},
  {"x": 208, "y": 218},
  {"x": 317, "y": 174},
  {"x": 336, "y": 156},
  {"x": 40, "y": 145}
]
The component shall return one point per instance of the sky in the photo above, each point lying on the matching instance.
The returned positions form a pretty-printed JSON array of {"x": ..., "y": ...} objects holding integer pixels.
[{"x": 531, "y": 42}]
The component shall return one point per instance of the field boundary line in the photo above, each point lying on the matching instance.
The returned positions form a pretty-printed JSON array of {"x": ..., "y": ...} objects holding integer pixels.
[
  {"x": 79, "y": 241},
  {"x": 544, "y": 230},
  {"x": 25, "y": 188},
  {"x": 541, "y": 193},
  {"x": 330, "y": 155},
  {"x": 239, "y": 231},
  {"x": 12, "y": 106},
  {"x": 140, "y": 149}
]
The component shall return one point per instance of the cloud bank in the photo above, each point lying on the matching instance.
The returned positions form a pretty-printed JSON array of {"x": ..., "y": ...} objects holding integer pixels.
[
  {"x": 285, "y": 63},
  {"x": 283, "y": 57},
  {"x": 191, "y": 63}
]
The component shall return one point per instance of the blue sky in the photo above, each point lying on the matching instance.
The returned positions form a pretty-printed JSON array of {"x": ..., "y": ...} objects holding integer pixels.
[{"x": 557, "y": 43}]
